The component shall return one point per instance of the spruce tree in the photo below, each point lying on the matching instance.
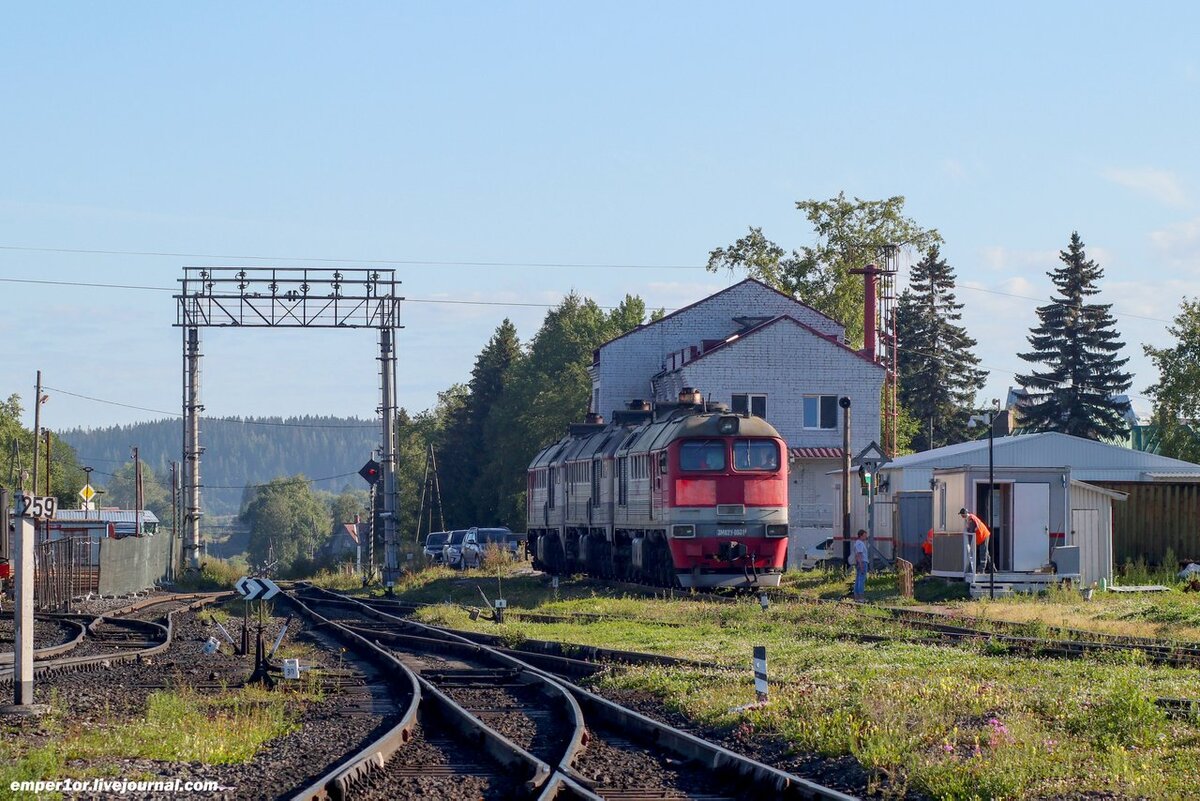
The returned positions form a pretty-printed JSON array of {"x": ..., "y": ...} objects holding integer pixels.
[
  {"x": 938, "y": 373},
  {"x": 1077, "y": 342},
  {"x": 460, "y": 455}
]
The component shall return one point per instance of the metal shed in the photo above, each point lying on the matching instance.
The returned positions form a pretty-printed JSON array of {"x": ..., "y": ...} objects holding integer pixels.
[{"x": 1153, "y": 501}]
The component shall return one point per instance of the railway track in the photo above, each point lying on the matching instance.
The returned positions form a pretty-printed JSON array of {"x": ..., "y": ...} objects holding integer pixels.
[
  {"x": 555, "y": 739},
  {"x": 134, "y": 632}
]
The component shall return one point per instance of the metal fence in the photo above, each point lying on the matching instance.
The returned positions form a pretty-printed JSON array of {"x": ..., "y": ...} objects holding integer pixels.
[{"x": 65, "y": 569}]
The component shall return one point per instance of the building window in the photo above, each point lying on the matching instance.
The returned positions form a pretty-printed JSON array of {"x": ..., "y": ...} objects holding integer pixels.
[
  {"x": 820, "y": 411},
  {"x": 755, "y": 405}
]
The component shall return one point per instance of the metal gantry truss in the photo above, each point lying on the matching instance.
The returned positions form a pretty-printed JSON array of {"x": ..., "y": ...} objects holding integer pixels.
[{"x": 287, "y": 297}]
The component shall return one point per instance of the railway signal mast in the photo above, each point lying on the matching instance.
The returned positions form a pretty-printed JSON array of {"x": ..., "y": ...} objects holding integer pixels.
[{"x": 287, "y": 297}]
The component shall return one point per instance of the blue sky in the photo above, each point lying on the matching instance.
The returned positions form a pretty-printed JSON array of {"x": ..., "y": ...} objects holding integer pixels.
[{"x": 518, "y": 133}]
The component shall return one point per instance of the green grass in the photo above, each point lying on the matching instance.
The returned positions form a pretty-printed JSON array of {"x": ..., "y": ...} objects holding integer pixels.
[
  {"x": 177, "y": 726},
  {"x": 961, "y": 722},
  {"x": 215, "y": 574}
]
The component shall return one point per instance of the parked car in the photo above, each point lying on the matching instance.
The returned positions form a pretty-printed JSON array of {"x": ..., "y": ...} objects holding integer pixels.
[
  {"x": 517, "y": 545},
  {"x": 476, "y": 542},
  {"x": 823, "y": 554},
  {"x": 434, "y": 543},
  {"x": 452, "y": 550}
]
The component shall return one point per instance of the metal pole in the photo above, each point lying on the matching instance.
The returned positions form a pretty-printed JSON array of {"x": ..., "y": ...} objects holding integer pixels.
[
  {"x": 387, "y": 366},
  {"x": 47, "y": 433},
  {"x": 437, "y": 490},
  {"x": 991, "y": 503},
  {"x": 37, "y": 426},
  {"x": 421, "y": 502},
  {"x": 191, "y": 445},
  {"x": 173, "y": 559},
  {"x": 845, "y": 404}
]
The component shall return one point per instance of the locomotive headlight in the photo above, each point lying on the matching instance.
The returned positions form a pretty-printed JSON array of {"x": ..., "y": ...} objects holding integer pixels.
[
  {"x": 780, "y": 530},
  {"x": 728, "y": 425},
  {"x": 683, "y": 531}
]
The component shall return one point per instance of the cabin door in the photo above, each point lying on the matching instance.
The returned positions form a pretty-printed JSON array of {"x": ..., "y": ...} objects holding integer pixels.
[{"x": 1031, "y": 526}]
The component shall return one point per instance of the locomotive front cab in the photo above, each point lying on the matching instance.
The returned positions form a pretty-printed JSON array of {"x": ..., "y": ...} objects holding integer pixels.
[{"x": 727, "y": 486}]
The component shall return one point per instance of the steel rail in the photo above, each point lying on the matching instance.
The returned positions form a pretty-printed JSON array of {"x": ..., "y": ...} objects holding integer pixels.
[
  {"x": 683, "y": 744},
  {"x": 549, "y": 687},
  {"x": 165, "y": 632},
  {"x": 426, "y": 699},
  {"x": 48, "y": 651},
  {"x": 338, "y": 782}
]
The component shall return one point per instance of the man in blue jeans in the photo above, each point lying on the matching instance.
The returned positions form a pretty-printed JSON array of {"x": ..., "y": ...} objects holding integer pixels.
[{"x": 860, "y": 565}]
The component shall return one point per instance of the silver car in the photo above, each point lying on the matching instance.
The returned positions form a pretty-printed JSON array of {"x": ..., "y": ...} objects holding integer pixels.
[
  {"x": 434, "y": 543},
  {"x": 477, "y": 541},
  {"x": 452, "y": 551}
]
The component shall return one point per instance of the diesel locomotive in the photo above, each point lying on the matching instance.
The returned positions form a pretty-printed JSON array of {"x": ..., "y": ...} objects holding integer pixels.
[{"x": 684, "y": 494}]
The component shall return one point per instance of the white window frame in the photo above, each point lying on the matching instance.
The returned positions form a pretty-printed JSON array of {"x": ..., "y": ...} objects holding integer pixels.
[{"x": 804, "y": 412}]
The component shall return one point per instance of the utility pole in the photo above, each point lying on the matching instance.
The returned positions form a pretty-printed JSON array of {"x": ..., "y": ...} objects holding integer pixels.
[
  {"x": 46, "y": 432},
  {"x": 37, "y": 426},
  {"x": 844, "y": 402},
  {"x": 137, "y": 493}
]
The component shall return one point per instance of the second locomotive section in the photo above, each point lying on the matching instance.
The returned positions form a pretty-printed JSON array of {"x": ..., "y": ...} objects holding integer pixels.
[{"x": 686, "y": 494}]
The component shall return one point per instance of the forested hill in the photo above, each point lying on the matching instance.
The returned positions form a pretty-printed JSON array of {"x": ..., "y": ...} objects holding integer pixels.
[{"x": 237, "y": 452}]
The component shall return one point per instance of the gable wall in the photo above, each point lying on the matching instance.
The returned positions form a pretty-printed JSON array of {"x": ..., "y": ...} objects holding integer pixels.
[{"x": 627, "y": 364}]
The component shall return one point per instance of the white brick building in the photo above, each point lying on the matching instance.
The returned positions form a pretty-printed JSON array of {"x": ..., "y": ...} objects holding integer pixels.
[{"x": 756, "y": 349}]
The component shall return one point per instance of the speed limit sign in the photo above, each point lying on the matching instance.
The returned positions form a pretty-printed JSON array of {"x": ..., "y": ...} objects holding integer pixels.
[{"x": 37, "y": 507}]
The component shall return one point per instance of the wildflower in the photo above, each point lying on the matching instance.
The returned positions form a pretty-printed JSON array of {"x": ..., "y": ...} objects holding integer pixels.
[
  {"x": 949, "y": 749},
  {"x": 1049, "y": 744}
]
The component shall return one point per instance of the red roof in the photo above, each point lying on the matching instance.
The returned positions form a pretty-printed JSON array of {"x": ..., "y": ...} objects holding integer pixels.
[
  {"x": 722, "y": 292},
  {"x": 352, "y": 530},
  {"x": 815, "y": 453},
  {"x": 737, "y": 339}
]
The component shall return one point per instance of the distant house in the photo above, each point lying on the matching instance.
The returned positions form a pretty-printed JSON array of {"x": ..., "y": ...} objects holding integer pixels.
[
  {"x": 344, "y": 544},
  {"x": 763, "y": 353}
]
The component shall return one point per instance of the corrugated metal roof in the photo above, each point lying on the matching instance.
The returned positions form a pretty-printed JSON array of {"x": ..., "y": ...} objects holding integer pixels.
[
  {"x": 106, "y": 515},
  {"x": 1083, "y": 456}
]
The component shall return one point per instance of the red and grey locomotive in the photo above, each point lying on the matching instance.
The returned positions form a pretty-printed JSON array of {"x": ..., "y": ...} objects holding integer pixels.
[{"x": 686, "y": 494}]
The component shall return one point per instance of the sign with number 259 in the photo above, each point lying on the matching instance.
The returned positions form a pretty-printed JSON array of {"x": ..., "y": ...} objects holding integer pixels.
[{"x": 36, "y": 507}]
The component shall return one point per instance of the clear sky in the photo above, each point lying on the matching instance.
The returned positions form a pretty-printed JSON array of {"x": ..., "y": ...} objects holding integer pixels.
[{"x": 633, "y": 134}]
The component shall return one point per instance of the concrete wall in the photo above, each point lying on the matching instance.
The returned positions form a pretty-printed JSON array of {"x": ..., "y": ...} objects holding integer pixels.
[
  {"x": 627, "y": 363},
  {"x": 133, "y": 564}
]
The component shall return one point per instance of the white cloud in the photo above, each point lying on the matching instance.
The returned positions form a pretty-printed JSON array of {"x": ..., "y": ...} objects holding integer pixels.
[
  {"x": 1179, "y": 245},
  {"x": 1160, "y": 185},
  {"x": 1002, "y": 259}
]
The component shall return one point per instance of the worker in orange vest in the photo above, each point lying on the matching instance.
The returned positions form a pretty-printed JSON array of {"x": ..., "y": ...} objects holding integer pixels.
[{"x": 974, "y": 524}]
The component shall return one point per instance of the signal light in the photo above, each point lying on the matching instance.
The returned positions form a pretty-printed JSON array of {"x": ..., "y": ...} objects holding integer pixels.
[
  {"x": 864, "y": 479},
  {"x": 370, "y": 472}
]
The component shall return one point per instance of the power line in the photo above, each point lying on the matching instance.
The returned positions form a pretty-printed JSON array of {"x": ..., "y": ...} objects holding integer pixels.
[
  {"x": 280, "y": 424},
  {"x": 165, "y": 485},
  {"x": 326, "y": 260},
  {"x": 440, "y": 301}
]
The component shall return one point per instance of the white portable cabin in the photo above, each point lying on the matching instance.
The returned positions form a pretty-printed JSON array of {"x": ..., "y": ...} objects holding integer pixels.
[
  {"x": 1046, "y": 527},
  {"x": 1079, "y": 474}
]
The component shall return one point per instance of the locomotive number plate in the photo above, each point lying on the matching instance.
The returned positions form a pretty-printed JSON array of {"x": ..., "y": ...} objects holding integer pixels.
[{"x": 731, "y": 532}]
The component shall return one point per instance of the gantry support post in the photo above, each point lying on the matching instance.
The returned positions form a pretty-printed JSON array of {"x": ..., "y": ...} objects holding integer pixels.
[
  {"x": 191, "y": 446},
  {"x": 387, "y": 374}
]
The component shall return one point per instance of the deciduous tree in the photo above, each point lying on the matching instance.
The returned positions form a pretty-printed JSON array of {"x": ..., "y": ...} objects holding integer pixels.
[
  {"x": 849, "y": 234},
  {"x": 1177, "y": 393}
]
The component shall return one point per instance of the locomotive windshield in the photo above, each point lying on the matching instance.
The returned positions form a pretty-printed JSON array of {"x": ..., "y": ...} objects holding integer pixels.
[
  {"x": 705, "y": 454},
  {"x": 755, "y": 454}
]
